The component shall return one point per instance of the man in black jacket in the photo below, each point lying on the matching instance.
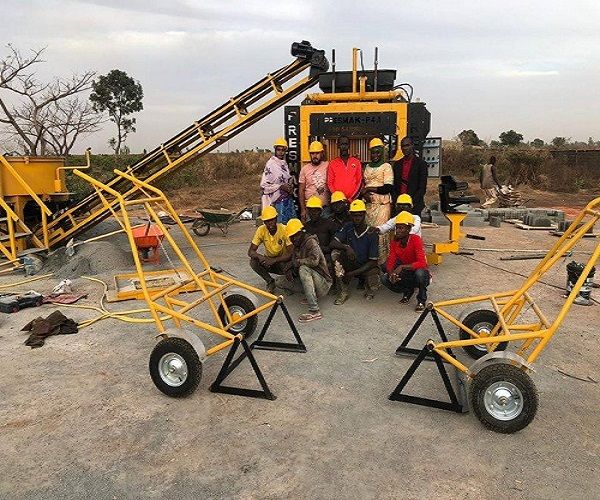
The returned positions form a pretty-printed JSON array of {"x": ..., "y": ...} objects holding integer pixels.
[{"x": 410, "y": 176}]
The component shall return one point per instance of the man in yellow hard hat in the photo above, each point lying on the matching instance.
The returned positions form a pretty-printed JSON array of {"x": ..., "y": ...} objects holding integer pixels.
[
  {"x": 356, "y": 255},
  {"x": 277, "y": 183},
  {"x": 406, "y": 266},
  {"x": 307, "y": 270},
  {"x": 403, "y": 204},
  {"x": 323, "y": 228},
  {"x": 277, "y": 248},
  {"x": 313, "y": 180},
  {"x": 339, "y": 209}
]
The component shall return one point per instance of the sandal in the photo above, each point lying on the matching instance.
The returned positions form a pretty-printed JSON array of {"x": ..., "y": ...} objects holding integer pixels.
[
  {"x": 405, "y": 299},
  {"x": 310, "y": 316},
  {"x": 420, "y": 307}
]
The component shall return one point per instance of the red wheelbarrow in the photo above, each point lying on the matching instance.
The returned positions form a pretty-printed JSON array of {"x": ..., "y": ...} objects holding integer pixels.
[{"x": 147, "y": 241}]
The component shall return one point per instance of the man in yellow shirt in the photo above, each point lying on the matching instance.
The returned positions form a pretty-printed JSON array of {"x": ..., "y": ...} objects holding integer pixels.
[{"x": 277, "y": 248}]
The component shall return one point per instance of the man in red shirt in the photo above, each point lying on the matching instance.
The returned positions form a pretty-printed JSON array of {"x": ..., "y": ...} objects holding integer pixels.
[
  {"x": 345, "y": 172},
  {"x": 406, "y": 266},
  {"x": 410, "y": 176}
]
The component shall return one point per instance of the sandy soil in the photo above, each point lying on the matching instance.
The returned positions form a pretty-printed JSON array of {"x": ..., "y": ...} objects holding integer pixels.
[{"x": 80, "y": 417}]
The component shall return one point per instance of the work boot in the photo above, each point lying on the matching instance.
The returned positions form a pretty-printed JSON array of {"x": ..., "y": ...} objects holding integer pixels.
[{"x": 342, "y": 296}]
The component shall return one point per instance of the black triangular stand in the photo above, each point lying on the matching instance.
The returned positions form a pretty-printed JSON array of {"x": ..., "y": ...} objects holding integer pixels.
[
  {"x": 229, "y": 365},
  {"x": 297, "y": 346},
  {"x": 403, "y": 348},
  {"x": 452, "y": 405}
]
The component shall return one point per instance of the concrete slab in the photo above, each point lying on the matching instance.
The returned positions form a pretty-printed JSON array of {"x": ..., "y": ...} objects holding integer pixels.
[{"x": 80, "y": 417}]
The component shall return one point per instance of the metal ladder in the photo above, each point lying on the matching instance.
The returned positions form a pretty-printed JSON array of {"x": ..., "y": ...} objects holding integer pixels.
[{"x": 204, "y": 135}]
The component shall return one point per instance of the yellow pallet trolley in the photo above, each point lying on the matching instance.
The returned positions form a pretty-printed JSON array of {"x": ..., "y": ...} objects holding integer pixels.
[
  {"x": 497, "y": 386},
  {"x": 176, "y": 361}
]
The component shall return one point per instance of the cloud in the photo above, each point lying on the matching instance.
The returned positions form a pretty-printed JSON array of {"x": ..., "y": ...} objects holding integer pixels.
[{"x": 527, "y": 73}]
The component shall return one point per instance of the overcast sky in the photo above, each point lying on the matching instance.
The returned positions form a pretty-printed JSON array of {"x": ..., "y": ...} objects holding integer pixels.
[{"x": 488, "y": 66}]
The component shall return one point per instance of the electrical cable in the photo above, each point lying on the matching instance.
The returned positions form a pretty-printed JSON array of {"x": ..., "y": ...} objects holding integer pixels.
[{"x": 36, "y": 278}]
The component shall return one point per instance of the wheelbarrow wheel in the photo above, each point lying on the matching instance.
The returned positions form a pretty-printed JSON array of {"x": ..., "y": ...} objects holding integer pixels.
[
  {"x": 175, "y": 367},
  {"x": 503, "y": 397},
  {"x": 239, "y": 305},
  {"x": 201, "y": 227},
  {"x": 481, "y": 322}
]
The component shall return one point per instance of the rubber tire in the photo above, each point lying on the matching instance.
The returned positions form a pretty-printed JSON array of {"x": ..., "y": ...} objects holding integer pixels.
[
  {"x": 497, "y": 372},
  {"x": 479, "y": 316},
  {"x": 194, "y": 366},
  {"x": 201, "y": 228},
  {"x": 247, "y": 305}
]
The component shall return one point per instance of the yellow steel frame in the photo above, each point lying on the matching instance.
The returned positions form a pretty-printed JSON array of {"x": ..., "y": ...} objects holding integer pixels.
[
  {"x": 534, "y": 337},
  {"x": 45, "y": 211},
  {"x": 365, "y": 103},
  {"x": 212, "y": 285},
  {"x": 243, "y": 117},
  {"x": 452, "y": 245}
]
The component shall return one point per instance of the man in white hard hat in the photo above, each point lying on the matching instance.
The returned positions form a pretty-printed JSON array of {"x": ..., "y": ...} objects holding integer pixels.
[
  {"x": 313, "y": 180},
  {"x": 277, "y": 183}
]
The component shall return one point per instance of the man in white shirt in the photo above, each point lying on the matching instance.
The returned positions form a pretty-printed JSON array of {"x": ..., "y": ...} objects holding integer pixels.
[{"x": 403, "y": 203}]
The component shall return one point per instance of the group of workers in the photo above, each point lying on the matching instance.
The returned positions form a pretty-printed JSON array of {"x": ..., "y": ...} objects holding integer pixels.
[{"x": 346, "y": 215}]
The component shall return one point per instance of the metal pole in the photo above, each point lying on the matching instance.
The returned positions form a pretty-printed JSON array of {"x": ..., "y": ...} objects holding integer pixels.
[
  {"x": 333, "y": 71},
  {"x": 375, "y": 75}
]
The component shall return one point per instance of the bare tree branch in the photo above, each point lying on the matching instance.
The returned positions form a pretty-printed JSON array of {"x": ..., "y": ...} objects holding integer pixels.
[{"x": 46, "y": 117}]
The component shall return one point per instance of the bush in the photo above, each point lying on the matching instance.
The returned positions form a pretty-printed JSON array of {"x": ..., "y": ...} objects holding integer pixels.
[{"x": 534, "y": 167}]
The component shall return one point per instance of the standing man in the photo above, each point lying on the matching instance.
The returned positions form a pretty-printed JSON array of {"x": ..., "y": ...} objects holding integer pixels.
[
  {"x": 345, "y": 172},
  {"x": 488, "y": 180},
  {"x": 306, "y": 271},
  {"x": 277, "y": 252},
  {"x": 410, "y": 176},
  {"x": 356, "y": 255},
  {"x": 313, "y": 180},
  {"x": 406, "y": 267},
  {"x": 277, "y": 183},
  {"x": 403, "y": 204},
  {"x": 339, "y": 210}
]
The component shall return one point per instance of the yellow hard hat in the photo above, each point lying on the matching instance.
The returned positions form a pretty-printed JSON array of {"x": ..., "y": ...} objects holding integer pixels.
[
  {"x": 405, "y": 218},
  {"x": 293, "y": 226},
  {"x": 338, "y": 196},
  {"x": 314, "y": 202},
  {"x": 315, "y": 147},
  {"x": 268, "y": 213},
  {"x": 358, "y": 206},
  {"x": 404, "y": 199},
  {"x": 375, "y": 142},
  {"x": 280, "y": 142}
]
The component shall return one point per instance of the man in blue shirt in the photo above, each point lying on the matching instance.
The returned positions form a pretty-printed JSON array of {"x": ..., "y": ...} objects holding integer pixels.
[{"x": 355, "y": 253}]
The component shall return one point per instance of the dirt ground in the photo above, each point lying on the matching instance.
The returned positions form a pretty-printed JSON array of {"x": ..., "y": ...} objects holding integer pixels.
[
  {"x": 81, "y": 418},
  {"x": 244, "y": 192}
]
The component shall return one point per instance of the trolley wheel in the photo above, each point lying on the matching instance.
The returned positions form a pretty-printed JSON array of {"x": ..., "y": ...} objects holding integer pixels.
[
  {"x": 201, "y": 227},
  {"x": 503, "y": 397},
  {"x": 239, "y": 305},
  {"x": 175, "y": 367},
  {"x": 481, "y": 322}
]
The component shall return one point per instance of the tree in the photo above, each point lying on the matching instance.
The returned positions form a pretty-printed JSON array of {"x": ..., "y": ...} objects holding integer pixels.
[
  {"x": 559, "y": 142},
  {"x": 510, "y": 138},
  {"x": 119, "y": 95},
  {"x": 538, "y": 143},
  {"x": 469, "y": 138},
  {"x": 44, "y": 117}
]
